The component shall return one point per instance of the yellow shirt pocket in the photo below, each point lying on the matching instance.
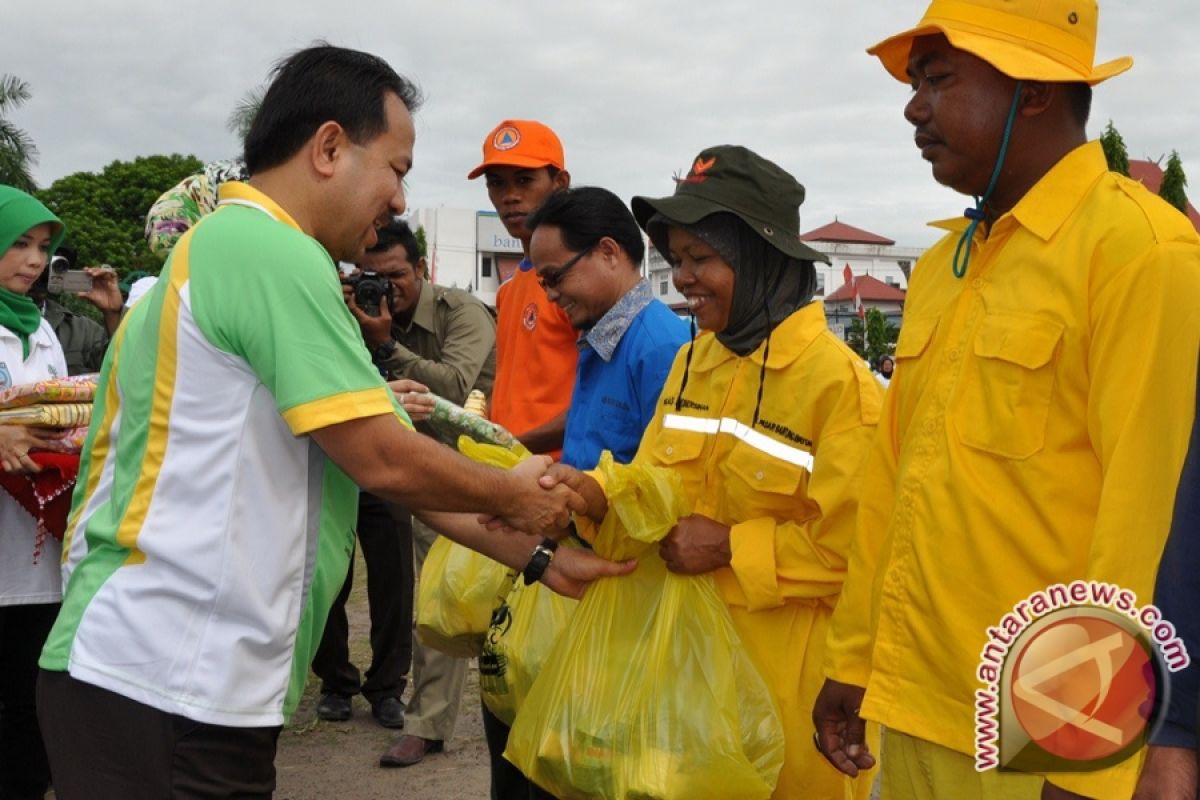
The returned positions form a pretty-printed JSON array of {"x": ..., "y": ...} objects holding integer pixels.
[
  {"x": 761, "y": 485},
  {"x": 1007, "y": 384}
]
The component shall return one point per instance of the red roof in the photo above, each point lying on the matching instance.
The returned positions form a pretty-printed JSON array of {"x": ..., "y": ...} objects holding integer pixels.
[
  {"x": 1151, "y": 176},
  {"x": 869, "y": 289},
  {"x": 843, "y": 233}
]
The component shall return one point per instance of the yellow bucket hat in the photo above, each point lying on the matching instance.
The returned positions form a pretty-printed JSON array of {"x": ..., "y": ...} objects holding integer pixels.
[{"x": 1036, "y": 40}]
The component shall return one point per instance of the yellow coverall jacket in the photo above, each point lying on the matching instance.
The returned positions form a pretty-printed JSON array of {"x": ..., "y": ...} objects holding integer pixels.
[{"x": 788, "y": 487}]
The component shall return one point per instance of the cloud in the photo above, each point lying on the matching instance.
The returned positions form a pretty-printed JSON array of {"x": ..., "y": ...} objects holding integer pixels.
[{"x": 635, "y": 89}]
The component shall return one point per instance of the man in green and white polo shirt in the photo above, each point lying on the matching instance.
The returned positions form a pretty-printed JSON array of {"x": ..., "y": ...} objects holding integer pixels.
[{"x": 237, "y": 409}]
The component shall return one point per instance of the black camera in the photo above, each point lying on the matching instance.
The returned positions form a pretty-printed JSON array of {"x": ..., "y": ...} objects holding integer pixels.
[{"x": 370, "y": 290}]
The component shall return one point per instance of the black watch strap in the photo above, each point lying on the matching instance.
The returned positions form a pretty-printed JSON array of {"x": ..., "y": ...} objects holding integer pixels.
[
  {"x": 383, "y": 352},
  {"x": 543, "y": 554}
]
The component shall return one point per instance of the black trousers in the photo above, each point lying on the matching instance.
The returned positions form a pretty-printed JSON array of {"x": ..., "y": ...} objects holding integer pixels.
[
  {"x": 104, "y": 746},
  {"x": 385, "y": 535},
  {"x": 24, "y": 770},
  {"x": 508, "y": 783}
]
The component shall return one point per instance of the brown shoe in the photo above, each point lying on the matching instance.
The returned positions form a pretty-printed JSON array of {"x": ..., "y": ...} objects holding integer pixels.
[{"x": 409, "y": 750}]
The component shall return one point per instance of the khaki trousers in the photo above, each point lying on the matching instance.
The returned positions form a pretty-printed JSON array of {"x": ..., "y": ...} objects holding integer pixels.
[{"x": 437, "y": 679}]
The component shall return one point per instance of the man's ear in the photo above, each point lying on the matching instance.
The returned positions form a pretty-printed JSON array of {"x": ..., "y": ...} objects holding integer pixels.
[
  {"x": 423, "y": 267},
  {"x": 610, "y": 250},
  {"x": 326, "y": 146},
  {"x": 1037, "y": 96},
  {"x": 562, "y": 180}
]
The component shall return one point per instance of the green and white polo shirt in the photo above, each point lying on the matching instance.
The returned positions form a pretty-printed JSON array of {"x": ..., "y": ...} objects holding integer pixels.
[{"x": 209, "y": 534}]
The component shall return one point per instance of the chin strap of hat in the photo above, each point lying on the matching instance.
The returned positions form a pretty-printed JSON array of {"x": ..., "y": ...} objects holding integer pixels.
[
  {"x": 962, "y": 253},
  {"x": 687, "y": 362}
]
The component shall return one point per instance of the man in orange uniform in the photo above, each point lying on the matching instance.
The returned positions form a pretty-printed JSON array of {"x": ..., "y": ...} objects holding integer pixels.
[{"x": 536, "y": 349}]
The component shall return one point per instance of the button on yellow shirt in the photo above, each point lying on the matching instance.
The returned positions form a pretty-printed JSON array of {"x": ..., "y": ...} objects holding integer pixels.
[{"x": 1033, "y": 434}]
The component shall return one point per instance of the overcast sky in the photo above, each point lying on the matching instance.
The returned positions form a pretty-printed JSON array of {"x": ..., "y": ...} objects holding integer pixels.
[{"x": 634, "y": 89}]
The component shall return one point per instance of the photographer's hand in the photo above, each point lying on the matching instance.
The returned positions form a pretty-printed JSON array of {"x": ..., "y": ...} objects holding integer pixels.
[
  {"x": 105, "y": 295},
  {"x": 375, "y": 330}
]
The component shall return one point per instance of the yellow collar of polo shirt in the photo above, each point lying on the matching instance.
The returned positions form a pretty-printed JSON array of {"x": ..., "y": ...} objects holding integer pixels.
[{"x": 243, "y": 194}]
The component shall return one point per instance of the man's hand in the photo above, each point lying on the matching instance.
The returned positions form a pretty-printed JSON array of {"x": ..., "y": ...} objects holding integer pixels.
[
  {"x": 573, "y": 569},
  {"x": 696, "y": 545},
  {"x": 413, "y": 397},
  {"x": 841, "y": 732},
  {"x": 582, "y": 484},
  {"x": 375, "y": 330},
  {"x": 533, "y": 509},
  {"x": 1170, "y": 773},
  {"x": 15, "y": 443}
]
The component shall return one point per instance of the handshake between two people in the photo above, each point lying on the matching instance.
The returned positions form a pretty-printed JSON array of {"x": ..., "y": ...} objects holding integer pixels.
[{"x": 555, "y": 491}]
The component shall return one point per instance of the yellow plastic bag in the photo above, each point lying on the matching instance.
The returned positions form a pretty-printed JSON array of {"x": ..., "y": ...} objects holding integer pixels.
[
  {"x": 460, "y": 588},
  {"x": 523, "y": 632},
  {"x": 649, "y": 692},
  {"x": 457, "y": 592}
]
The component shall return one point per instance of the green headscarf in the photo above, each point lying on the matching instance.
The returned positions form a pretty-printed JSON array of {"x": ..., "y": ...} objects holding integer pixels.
[{"x": 18, "y": 213}]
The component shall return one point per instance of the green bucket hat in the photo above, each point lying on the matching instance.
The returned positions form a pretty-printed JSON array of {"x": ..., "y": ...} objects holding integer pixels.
[{"x": 736, "y": 180}]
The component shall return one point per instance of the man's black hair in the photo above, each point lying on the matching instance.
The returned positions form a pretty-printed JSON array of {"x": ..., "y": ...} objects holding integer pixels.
[
  {"x": 1079, "y": 95},
  {"x": 316, "y": 85},
  {"x": 397, "y": 234},
  {"x": 586, "y": 214}
]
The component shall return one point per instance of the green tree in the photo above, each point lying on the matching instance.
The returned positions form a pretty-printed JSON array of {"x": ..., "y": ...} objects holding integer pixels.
[
  {"x": 17, "y": 151},
  {"x": 423, "y": 247},
  {"x": 105, "y": 212},
  {"x": 1114, "y": 150},
  {"x": 880, "y": 336},
  {"x": 1174, "y": 183},
  {"x": 243, "y": 114}
]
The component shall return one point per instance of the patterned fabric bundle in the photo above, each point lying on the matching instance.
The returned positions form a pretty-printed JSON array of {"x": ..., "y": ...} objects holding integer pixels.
[
  {"x": 64, "y": 404},
  {"x": 49, "y": 415},
  {"x": 75, "y": 389}
]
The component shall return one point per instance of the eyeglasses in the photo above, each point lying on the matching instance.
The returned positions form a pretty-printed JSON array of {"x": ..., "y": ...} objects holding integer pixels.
[{"x": 551, "y": 278}]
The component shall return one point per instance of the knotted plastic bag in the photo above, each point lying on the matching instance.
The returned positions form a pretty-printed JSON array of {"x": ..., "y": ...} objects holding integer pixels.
[{"x": 648, "y": 693}]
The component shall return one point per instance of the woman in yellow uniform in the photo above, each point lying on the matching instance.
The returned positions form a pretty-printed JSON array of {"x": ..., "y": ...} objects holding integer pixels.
[{"x": 767, "y": 416}]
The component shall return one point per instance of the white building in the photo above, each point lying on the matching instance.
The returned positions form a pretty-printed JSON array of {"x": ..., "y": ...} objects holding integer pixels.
[
  {"x": 468, "y": 249},
  {"x": 472, "y": 250},
  {"x": 865, "y": 253}
]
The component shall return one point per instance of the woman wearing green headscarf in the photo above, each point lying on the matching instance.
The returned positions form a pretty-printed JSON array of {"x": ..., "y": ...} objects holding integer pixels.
[{"x": 30, "y": 582}]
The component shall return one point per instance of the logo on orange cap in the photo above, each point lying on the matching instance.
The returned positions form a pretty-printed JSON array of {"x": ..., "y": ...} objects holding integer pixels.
[{"x": 506, "y": 138}]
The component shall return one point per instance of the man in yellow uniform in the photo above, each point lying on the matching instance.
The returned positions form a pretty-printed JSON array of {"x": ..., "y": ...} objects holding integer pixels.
[{"x": 1044, "y": 387}]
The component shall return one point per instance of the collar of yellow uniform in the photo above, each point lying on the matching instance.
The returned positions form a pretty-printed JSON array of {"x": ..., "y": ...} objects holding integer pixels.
[
  {"x": 243, "y": 194},
  {"x": 1052, "y": 200},
  {"x": 789, "y": 339}
]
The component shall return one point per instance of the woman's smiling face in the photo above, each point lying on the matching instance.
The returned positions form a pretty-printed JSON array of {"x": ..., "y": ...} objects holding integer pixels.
[{"x": 703, "y": 277}]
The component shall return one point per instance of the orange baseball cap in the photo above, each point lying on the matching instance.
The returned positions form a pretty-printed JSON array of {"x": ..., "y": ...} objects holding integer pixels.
[{"x": 520, "y": 143}]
